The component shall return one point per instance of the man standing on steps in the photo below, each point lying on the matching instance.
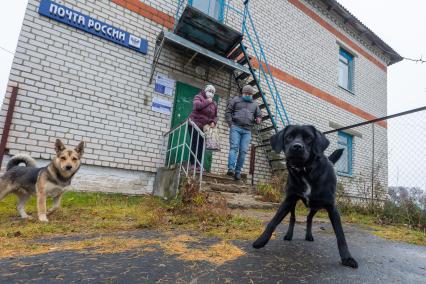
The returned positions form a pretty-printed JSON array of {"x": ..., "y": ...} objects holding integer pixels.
[{"x": 241, "y": 115}]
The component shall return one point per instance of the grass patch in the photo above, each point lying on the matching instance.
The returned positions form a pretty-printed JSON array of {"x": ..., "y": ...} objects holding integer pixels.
[
  {"x": 373, "y": 220},
  {"x": 94, "y": 213}
]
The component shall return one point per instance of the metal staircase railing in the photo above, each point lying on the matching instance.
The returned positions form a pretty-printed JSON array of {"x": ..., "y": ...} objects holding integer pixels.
[
  {"x": 261, "y": 74},
  {"x": 264, "y": 72}
]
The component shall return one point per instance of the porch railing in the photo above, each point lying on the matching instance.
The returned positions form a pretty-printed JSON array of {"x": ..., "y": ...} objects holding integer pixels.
[{"x": 178, "y": 151}]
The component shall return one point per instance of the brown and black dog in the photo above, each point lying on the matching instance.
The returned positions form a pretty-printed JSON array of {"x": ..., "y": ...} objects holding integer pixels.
[{"x": 49, "y": 181}]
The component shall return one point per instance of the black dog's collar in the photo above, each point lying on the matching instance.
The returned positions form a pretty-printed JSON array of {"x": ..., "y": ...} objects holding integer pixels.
[{"x": 300, "y": 169}]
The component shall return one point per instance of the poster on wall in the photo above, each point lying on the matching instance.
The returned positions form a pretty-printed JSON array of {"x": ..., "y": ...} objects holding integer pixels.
[
  {"x": 164, "y": 85},
  {"x": 161, "y": 106}
]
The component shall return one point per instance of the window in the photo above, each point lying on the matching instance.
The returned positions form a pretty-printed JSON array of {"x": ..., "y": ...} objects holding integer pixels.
[
  {"x": 345, "y": 70},
  {"x": 344, "y": 165},
  {"x": 213, "y": 8}
]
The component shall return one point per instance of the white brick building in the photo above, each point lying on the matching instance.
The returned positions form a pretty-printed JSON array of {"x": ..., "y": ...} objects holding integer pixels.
[{"x": 75, "y": 85}]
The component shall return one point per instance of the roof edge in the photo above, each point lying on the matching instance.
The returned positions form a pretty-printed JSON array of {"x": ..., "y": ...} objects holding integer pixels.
[{"x": 363, "y": 30}]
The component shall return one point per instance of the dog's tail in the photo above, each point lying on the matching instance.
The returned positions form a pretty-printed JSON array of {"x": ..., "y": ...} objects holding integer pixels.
[
  {"x": 335, "y": 156},
  {"x": 20, "y": 158}
]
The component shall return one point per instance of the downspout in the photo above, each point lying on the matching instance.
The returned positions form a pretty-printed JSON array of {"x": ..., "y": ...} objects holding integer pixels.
[{"x": 8, "y": 122}]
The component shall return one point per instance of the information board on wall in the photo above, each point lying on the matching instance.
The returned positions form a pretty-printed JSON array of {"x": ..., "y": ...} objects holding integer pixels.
[
  {"x": 164, "y": 85},
  {"x": 161, "y": 106}
]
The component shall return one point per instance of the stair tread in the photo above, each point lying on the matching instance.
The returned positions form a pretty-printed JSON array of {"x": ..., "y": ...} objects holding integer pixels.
[
  {"x": 266, "y": 117},
  {"x": 267, "y": 128},
  {"x": 236, "y": 53},
  {"x": 243, "y": 60},
  {"x": 252, "y": 82},
  {"x": 243, "y": 76},
  {"x": 277, "y": 159}
]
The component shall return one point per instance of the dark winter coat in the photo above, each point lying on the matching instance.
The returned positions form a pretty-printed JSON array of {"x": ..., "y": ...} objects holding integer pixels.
[
  {"x": 203, "y": 111},
  {"x": 242, "y": 113}
]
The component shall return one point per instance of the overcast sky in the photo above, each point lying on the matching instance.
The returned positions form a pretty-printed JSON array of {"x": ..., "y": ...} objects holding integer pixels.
[{"x": 401, "y": 24}]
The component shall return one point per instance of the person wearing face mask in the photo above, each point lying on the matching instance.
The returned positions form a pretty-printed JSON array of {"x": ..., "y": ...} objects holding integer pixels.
[
  {"x": 204, "y": 112},
  {"x": 241, "y": 115}
]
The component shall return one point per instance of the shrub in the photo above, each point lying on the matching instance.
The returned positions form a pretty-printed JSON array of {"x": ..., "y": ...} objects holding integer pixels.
[{"x": 273, "y": 192}]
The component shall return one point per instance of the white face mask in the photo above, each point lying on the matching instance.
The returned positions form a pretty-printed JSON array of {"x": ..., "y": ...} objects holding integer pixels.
[{"x": 209, "y": 94}]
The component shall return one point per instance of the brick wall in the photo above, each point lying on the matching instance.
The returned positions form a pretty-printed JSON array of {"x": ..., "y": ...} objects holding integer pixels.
[{"x": 76, "y": 86}]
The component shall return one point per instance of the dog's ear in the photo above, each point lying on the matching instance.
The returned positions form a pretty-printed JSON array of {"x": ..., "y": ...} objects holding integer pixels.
[
  {"x": 320, "y": 143},
  {"x": 59, "y": 147},
  {"x": 80, "y": 149},
  {"x": 277, "y": 140}
]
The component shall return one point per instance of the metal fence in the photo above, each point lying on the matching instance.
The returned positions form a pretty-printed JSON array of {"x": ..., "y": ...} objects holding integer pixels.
[
  {"x": 178, "y": 151},
  {"x": 383, "y": 158}
]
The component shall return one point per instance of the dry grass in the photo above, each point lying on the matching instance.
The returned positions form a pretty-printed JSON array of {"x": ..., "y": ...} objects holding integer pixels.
[
  {"x": 85, "y": 214},
  {"x": 273, "y": 192},
  {"x": 180, "y": 246},
  {"x": 183, "y": 247}
]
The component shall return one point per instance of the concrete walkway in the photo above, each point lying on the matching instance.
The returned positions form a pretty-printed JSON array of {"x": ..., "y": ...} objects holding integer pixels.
[{"x": 298, "y": 261}]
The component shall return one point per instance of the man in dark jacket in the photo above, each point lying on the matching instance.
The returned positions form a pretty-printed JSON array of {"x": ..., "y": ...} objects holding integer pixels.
[{"x": 241, "y": 115}]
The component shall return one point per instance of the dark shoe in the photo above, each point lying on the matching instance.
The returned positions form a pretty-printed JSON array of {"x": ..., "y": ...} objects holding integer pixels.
[
  {"x": 230, "y": 173},
  {"x": 237, "y": 176}
]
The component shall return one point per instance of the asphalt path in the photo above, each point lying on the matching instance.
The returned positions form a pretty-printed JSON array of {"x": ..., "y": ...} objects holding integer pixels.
[{"x": 296, "y": 261}]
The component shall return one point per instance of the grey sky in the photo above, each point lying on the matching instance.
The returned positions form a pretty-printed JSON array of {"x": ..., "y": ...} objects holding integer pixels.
[{"x": 402, "y": 25}]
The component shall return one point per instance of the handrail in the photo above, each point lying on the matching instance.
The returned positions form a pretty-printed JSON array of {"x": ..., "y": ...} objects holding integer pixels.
[
  {"x": 181, "y": 145},
  {"x": 279, "y": 106},
  {"x": 202, "y": 134},
  {"x": 267, "y": 64},
  {"x": 180, "y": 4}
]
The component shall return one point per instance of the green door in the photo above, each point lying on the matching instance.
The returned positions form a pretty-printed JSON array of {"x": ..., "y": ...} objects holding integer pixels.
[{"x": 181, "y": 110}]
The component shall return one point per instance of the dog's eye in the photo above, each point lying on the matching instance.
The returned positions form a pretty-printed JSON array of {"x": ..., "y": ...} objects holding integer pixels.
[
  {"x": 289, "y": 138},
  {"x": 308, "y": 139},
  {"x": 63, "y": 158},
  {"x": 74, "y": 159}
]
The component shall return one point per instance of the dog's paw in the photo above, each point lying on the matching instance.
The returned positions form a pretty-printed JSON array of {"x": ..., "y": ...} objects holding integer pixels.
[
  {"x": 288, "y": 237},
  {"x": 43, "y": 218},
  {"x": 309, "y": 238},
  {"x": 27, "y": 217},
  {"x": 259, "y": 243},
  {"x": 350, "y": 262}
]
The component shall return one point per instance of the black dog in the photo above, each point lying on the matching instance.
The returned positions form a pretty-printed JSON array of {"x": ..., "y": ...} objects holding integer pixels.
[{"x": 311, "y": 179}]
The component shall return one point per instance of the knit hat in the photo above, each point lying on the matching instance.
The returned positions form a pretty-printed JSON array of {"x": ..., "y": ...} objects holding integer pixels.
[
  {"x": 247, "y": 89},
  {"x": 210, "y": 88}
]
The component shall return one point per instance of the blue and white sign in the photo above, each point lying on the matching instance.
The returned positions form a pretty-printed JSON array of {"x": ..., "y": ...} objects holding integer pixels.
[
  {"x": 164, "y": 85},
  {"x": 88, "y": 24},
  {"x": 162, "y": 106}
]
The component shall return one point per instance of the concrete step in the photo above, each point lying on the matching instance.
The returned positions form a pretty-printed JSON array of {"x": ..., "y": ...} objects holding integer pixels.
[
  {"x": 220, "y": 187},
  {"x": 224, "y": 179},
  {"x": 233, "y": 188},
  {"x": 246, "y": 201}
]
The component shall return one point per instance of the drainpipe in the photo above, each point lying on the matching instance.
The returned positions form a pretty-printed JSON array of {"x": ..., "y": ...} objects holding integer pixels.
[{"x": 7, "y": 123}]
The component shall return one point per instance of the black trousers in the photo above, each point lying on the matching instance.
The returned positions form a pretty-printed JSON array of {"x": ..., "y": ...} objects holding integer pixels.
[{"x": 196, "y": 140}]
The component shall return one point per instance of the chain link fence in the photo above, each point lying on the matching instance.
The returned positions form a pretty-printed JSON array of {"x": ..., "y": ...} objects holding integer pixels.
[
  {"x": 382, "y": 156},
  {"x": 383, "y": 167}
]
